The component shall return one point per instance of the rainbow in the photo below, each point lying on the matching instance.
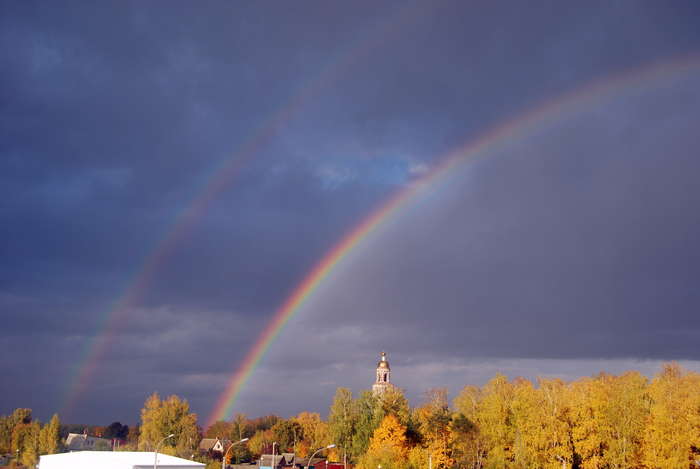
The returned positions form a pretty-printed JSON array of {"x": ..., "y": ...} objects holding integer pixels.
[
  {"x": 336, "y": 69},
  {"x": 498, "y": 136}
]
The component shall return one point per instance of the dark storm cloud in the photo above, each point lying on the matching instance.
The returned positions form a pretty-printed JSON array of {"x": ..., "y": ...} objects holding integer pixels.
[
  {"x": 579, "y": 242},
  {"x": 114, "y": 117}
]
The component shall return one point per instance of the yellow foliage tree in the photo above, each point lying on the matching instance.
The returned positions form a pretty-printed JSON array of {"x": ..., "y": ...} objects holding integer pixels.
[
  {"x": 495, "y": 420},
  {"x": 467, "y": 441},
  {"x": 433, "y": 419},
  {"x": 388, "y": 447},
  {"x": 586, "y": 400},
  {"x": 625, "y": 412},
  {"x": 160, "y": 418},
  {"x": 672, "y": 434}
]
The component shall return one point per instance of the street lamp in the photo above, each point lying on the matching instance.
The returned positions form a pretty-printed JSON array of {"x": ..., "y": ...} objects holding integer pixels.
[
  {"x": 273, "y": 453},
  {"x": 223, "y": 461},
  {"x": 308, "y": 463},
  {"x": 155, "y": 455}
]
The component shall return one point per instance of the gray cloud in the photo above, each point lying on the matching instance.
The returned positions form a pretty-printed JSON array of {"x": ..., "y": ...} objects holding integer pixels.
[{"x": 575, "y": 244}]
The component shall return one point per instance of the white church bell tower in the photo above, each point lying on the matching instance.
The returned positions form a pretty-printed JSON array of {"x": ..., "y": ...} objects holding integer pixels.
[{"x": 383, "y": 380}]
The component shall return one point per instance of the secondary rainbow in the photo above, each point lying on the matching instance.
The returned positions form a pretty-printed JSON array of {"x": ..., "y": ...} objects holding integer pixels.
[
  {"x": 498, "y": 136},
  {"x": 97, "y": 347}
]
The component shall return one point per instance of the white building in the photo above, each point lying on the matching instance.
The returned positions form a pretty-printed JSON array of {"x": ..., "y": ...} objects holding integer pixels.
[
  {"x": 113, "y": 460},
  {"x": 82, "y": 442}
]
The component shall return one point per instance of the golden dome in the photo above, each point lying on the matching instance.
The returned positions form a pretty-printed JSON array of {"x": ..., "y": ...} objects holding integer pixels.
[{"x": 383, "y": 363}]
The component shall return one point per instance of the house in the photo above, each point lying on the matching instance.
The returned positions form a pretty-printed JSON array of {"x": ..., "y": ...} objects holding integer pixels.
[
  {"x": 283, "y": 460},
  {"x": 114, "y": 460},
  {"x": 83, "y": 442},
  {"x": 315, "y": 463},
  {"x": 291, "y": 461},
  {"x": 214, "y": 446}
]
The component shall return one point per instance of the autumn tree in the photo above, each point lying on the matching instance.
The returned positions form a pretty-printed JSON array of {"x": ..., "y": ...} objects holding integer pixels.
[
  {"x": 286, "y": 433},
  {"x": 540, "y": 419},
  {"x": 160, "y": 418},
  {"x": 262, "y": 423},
  {"x": 219, "y": 429},
  {"x": 672, "y": 434},
  {"x": 625, "y": 411},
  {"x": 6, "y": 427},
  {"x": 467, "y": 442},
  {"x": 240, "y": 427},
  {"x": 25, "y": 442},
  {"x": 433, "y": 419},
  {"x": 370, "y": 410},
  {"x": 261, "y": 442},
  {"x": 308, "y": 422},
  {"x": 495, "y": 419},
  {"x": 8, "y": 424},
  {"x": 49, "y": 440},
  {"x": 388, "y": 446}
]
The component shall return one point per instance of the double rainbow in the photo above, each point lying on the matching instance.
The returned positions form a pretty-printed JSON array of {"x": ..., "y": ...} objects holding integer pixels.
[{"x": 498, "y": 136}]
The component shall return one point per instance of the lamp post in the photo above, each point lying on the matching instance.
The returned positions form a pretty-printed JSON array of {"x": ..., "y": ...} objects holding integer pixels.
[
  {"x": 223, "y": 461},
  {"x": 308, "y": 463},
  {"x": 273, "y": 453},
  {"x": 155, "y": 455}
]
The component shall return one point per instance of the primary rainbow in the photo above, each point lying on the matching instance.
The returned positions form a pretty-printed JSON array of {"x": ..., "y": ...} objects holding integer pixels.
[{"x": 499, "y": 135}]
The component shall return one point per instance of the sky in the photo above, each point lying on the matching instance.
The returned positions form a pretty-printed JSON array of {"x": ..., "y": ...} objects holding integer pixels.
[{"x": 171, "y": 171}]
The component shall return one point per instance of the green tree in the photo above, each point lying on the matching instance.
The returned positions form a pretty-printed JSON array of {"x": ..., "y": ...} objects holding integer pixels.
[
  {"x": 365, "y": 423},
  {"x": 116, "y": 430},
  {"x": 286, "y": 433},
  {"x": 341, "y": 420},
  {"x": 392, "y": 402},
  {"x": 162, "y": 418},
  {"x": 49, "y": 440}
]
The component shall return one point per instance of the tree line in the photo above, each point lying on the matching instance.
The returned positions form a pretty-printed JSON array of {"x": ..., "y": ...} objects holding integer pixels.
[
  {"x": 599, "y": 422},
  {"x": 605, "y": 421}
]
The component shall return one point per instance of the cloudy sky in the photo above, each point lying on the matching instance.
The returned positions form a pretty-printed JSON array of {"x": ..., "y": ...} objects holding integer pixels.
[{"x": 171, "y": 171}]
